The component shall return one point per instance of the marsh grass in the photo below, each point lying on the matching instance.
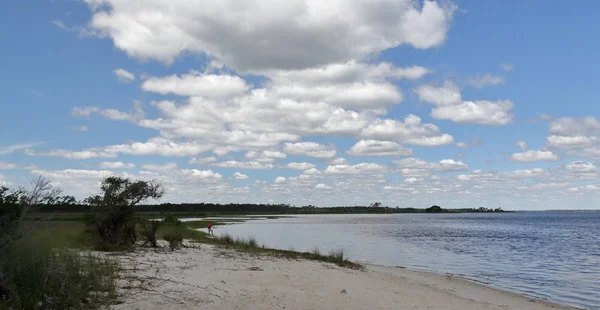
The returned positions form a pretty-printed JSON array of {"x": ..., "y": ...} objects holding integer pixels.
[
  {"x": 250, "y": 245},
  {"x": 39, "y": 277}
]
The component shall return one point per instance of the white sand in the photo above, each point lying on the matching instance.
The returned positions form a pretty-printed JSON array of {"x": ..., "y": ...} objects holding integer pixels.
[{"x": 215, "y": 278}]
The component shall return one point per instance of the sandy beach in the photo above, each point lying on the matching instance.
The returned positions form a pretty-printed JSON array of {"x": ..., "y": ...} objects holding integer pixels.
[{"x": 209, "y": 277}]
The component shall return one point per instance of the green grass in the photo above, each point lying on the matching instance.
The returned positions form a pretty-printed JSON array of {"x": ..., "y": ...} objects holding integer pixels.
[{"x": 38, "y": 272}]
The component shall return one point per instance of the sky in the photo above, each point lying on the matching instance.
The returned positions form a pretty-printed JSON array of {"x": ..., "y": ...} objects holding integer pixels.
[{"x": 462, "y": 103}]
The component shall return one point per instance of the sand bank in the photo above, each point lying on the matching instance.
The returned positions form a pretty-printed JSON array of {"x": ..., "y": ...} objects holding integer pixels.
[{"x": 216, "y": 278}]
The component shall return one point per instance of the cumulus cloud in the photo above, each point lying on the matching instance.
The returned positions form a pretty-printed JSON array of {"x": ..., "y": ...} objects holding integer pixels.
[
  {"x": 570, "y": 142},
  {"x": 410, "y": 130},
  {"x": 81, "y": 128},
  {"x": 507, "y": 67},
  {"x": 362, "y": 168},
  {"x": 124, "y": 76},
  {"x": 240, "y": 176},
  {"x": 115, "y": 165},
  {"x": 532, "y": 156},
  {"x": 311, "y": 149},
  {"x": 165, "y": 30},
  {"x": 197, "y": 84},
  {"x": 378, "y": 148},
  {"x": 243, "y": 164},
  {"x": 300, "y": 166},
  {"x": 158, "y": 167},
  {"x": 279, "y": 180},
  {"x": 482, "y": 81},
  {"x": 416, "y": 166},
  {"x": 449, "y": 105},
  {"x": 569, "y": 126},
  {"x": 265, "y": 156}
]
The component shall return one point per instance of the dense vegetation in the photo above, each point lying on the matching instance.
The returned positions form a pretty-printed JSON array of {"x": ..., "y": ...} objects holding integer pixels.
[{"x": 34, "y": 274}]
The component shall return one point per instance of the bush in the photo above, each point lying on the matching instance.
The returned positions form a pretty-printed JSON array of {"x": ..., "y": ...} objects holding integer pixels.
[
  {"x": 112, "y": 216},
  {"x": 175, "y": 240},
  {"x": 171, "y": 219},
  {"x": 148, "y": 231}
]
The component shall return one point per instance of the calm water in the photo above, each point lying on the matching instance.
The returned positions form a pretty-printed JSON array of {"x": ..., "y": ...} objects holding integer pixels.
[{"x": 552, "y": 255}]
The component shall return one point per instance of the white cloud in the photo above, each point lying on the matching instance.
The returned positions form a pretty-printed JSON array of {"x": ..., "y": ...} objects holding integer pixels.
[
  {"x": 240, "y": 176},
  {"x": 300, "y": 166},
  {"x": 338, "y": 161},
  {"x": 449, "y": 105},
  {"x": 115, "y": 165},
  {"x": 157, "y": 167},
  {"x": 279, "y": 180},
  {"x": 570, "y": 142},
  {"x": 16, "y": 147},
  {"x": 361, "y": 168},
  {"x": 378, "y": 148},
  {"x": 507, "y": 67},
  {"x": 462, "y": 145},
  {"x": 344, "y": 73},
  {"x": 488, "y": 79},
  {"x": 532, "y": 156},
  {"x": 197, "y": 84},
  {"x": 410, "y": 131},
  {"x": 416, "y": 166},
  {"x": 81, "y": 128},
  {"x": 311, "y": 149},
  {"x": 522, "y": 145},
  {"x": 243, "y": 165},
  {"x": 153, "y": 29},
  {"x": 202, "y": 161},
  {"x": 569, "y": 126},
  {"x": 265, "y": 156},
  {"x": 124, "y": 76},
  {"x": 5, "y": 166},
  {"x": 86, "y": 111},
  {"x": 322, "y": 186}
]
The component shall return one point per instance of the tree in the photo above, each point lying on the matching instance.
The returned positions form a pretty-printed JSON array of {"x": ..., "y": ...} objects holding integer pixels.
[
  {"x": 375, "y": 205},
  {"x": 434, "y": 209},
  {"x": 112, "y": 212}
]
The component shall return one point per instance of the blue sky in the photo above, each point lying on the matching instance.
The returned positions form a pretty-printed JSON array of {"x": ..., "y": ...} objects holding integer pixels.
[{"x": 410, "y": 103}]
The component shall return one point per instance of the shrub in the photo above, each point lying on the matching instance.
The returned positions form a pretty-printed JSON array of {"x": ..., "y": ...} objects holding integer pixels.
[
  {"x": 175, "y": 240},
  {"x": 171, "y": 219},
  {"x": 148, "y": 231},
  {"x": 112, "y": 215}
]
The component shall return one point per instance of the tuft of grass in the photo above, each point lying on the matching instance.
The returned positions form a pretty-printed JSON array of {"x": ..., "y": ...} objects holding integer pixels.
[
  {"x": 336, "y": 255},
  {"x": 315, "y": 251}
]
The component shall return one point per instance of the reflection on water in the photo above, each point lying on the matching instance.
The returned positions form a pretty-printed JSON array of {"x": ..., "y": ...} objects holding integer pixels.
[{"x": 553, "y": 255}]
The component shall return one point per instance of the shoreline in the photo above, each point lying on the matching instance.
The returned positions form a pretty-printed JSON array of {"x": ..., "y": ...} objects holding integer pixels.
[{"x": 207, "y": 276}]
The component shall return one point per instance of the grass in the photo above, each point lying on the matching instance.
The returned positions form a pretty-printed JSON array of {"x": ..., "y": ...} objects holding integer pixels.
[
  {"x": 250, "y": 245},
  {"x": 35, "y": 275}
]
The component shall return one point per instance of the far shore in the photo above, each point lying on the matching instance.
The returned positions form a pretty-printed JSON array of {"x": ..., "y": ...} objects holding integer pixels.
[{"x": 206, "y": 276}]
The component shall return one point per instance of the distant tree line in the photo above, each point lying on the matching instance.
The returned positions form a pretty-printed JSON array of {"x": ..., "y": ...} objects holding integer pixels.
[{"x": 69, "y": 204}]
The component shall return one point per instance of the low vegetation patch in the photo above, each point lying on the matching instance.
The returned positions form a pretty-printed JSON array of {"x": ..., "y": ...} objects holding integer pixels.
[{"x": 252, "y": 246}]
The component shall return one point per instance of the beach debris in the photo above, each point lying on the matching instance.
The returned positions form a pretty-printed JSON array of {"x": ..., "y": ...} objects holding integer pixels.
[
  {"x": 255, "y": 269},
  {"x": 343, "y": 291}
]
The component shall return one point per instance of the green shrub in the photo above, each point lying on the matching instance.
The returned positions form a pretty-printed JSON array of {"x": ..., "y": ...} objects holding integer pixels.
[
  {"x": 148, "y": 231},
  {"x": 175, "y": 240},
  {"x": 171, "y": 219}
]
